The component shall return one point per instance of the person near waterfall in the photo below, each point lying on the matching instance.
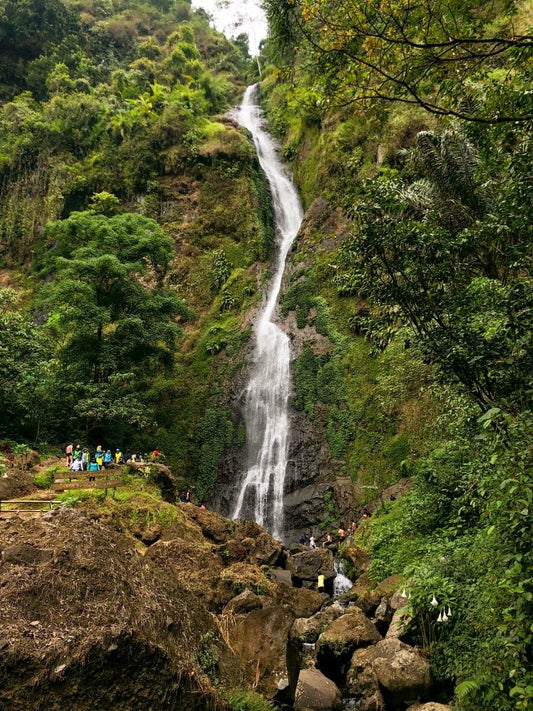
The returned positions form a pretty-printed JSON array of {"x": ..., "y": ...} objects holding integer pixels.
[{"x": 312, "y": 543}]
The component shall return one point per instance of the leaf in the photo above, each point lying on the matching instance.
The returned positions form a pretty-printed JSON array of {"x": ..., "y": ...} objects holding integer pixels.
[{"x": 465, "y": 688}]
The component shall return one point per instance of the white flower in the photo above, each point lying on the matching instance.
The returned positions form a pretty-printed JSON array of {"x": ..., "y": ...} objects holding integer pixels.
[
  {"x": 403, "y": 593},
  {"x": 449, "y": 612},
  {"x": 444, "y": 616},
  {"x": 439, "y": 618},
  {"x": 434, "y": 601}
]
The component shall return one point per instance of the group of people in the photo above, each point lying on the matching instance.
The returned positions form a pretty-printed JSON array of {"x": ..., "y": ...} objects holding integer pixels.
[
  {"x": 341, "y": 534},
  {"x": 80, "y": 458}
]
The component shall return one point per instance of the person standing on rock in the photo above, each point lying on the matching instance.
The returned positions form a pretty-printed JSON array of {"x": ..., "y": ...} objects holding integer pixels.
[
  {"x": 312, "y": 543},
  {"x": 328, "y": 540}
]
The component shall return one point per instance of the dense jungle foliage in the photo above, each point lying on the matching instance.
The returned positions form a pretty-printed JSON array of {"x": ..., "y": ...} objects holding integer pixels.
[
  {"x": 413, "y": 122},
  {"x": 132, "y": 212}
]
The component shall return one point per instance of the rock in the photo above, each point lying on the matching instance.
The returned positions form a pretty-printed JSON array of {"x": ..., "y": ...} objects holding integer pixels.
[
  {"x": 430, "y": 706},
  {"x": 163, "y": 478},
  {"x": 214, "y": 527},
  {"x": 259, "y": 640},
  {"x": 358, "y": 558},
  {"x": 339, "y": 641},
  {"x": 316, "y": 692},
  {"x": 281, "y": 575},
  {"x": 305, "y": 567},
  {"x": 307, "y": 631},
  {"x": 267, "y": 551},
  {"x": 402, "y": 672},
  {"x": 361, "y": 681},
  {"x": 383, "y": 615},
  {"x": 302, "y": 602},
  {"x": 398, "y": 601},
  {"x": 239, "y": 577},
  {"x": 399, "y": 622},
  {"x": 389, "y": 586},
  {"x": 243, "y": 603}
]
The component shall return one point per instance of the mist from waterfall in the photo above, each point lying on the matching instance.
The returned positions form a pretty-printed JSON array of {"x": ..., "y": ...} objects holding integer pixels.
[{"x": 267, "y": 394}]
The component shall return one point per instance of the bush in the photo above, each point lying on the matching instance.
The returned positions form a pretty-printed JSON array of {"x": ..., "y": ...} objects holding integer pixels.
[{"x": 45, "y": 479}]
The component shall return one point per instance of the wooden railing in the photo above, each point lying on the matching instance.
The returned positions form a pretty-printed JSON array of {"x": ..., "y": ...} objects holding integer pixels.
[
  {"x": 32, "y": 503},
  {"x": 103, "y": 479}
]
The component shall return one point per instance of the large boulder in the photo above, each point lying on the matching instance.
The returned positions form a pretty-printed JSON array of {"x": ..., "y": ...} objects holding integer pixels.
[
  {"x": 214, "y": 527},
  {"x": 259, "y": 640},
  {"x": 399, "y": 672},
  {"x": 358, "y": 558},
  {"x": 301, "y": 601},
  {"x": 362, "y": 683},
  {"x": 239, "y": 577},
  {"x": 87, "y": 622},
  {"x": 305, "y": 568},
  {"x": 307, "y": 631},
  {"x": 339, "y": 641},
  {"x": 243, "y": 603},
  {"x": 402, "y": 671},
  {"x": 316, "y": 692}
]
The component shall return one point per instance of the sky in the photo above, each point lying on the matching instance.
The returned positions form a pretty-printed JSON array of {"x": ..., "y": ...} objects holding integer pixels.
[{"x": 232, "y": 17}]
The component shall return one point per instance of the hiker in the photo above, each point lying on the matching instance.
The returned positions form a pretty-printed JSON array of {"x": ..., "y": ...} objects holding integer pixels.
[
  {"x": 118, "y": 456},
  {"x": 320, "y": 586},
  {"x": 312, "y": 543},
  {"x": 85, "y": 458},
  {"x": 77, "y": 451},
  {"x": 156, "y": 456},
  {"x": 108, "y": 458},
  {"x": 99, "y": 456},
  {"x": 342, "y": 534},
  {"x": 68, "y": 451},
  {"x": 328, "y": 540},
  {"x": 93, "y": 467},
  {"x": 302, "y": 540},
  {"x": 77, "y": 464}
]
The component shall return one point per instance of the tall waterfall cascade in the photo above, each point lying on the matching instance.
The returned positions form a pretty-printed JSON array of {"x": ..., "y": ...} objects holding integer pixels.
[{"x": 267, "y": 394}]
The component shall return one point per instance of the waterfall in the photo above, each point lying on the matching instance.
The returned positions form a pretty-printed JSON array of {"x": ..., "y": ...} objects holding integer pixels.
[
  {"x": 342, "y": 582},
  {"x": 267, "y": 393}
]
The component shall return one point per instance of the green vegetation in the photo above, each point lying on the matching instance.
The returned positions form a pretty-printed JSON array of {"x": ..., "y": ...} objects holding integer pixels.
[
  {"x": 415, "y": 164},
  {"x": 247, "y": 701},
  {"x": 132, "y": 217}
]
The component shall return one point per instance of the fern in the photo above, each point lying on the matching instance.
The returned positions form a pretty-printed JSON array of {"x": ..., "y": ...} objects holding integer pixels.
[{"x": 465, "y": 688}]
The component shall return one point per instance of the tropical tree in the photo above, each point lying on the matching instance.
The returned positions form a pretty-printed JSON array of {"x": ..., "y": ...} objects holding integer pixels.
[
  {"x": 433, "y": 54},
  {"x": 446, "y": 253},
  {"x": 114, "y": 321}
]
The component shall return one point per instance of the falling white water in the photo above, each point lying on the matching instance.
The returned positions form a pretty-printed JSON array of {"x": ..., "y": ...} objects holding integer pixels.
[
  {"x": 267, "y": 393},
  {"x": 342, "y": 582}
]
